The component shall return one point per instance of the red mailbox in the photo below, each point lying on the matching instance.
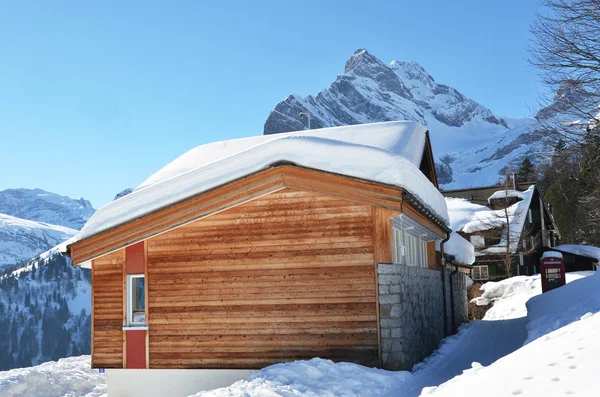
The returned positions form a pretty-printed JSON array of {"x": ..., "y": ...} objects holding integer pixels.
[{"x": 553, "y": 270}]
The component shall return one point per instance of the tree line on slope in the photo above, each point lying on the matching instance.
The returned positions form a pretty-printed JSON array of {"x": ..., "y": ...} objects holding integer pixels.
[
  {"x": 566, "y": 52},
  {"x": 36, "y": 324}
]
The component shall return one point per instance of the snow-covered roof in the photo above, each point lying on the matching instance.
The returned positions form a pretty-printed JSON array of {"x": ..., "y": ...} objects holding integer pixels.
[
  {"x": 583, "y": 250},
  {"x": 388, "y": 153},
  {"x": 503, "y": 194},
  {"x": 462, "y": 250},
  {"x": 551, "y": 254},
  {"x": 469, "y": 218}
]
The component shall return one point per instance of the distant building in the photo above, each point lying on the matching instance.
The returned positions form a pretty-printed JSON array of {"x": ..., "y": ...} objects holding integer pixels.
[
  {"x": 481, "y": 215},
  {"x": 578, "y": 257}
]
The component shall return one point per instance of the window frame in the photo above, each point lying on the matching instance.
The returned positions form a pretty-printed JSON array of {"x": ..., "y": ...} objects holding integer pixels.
[
  {"x": 129, "y": 292},
  {"x": 415, "y": 249},
  {"x": 480, "y": 276}
]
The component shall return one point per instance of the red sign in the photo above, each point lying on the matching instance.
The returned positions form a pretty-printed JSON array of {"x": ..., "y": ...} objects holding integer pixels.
[{"x": 553, "y": 273}]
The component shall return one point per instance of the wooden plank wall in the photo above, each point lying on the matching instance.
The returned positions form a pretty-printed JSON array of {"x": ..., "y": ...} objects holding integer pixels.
[
  {"x": 284, "y": 277},
  {"x": 107, "y": 315}
]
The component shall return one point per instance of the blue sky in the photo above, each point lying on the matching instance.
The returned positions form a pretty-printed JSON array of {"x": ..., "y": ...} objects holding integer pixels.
[{"x": 96, "y": 96}]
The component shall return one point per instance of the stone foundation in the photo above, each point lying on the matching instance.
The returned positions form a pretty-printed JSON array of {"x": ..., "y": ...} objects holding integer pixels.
[{"x": 411, "y": 313}]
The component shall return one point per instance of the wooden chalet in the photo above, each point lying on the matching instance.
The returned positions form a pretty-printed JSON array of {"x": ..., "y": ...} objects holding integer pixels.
[
  {"x": 577, "y": 259},
  {"x": 533, "y": 229},
  {"x": 250, "y": 252}
]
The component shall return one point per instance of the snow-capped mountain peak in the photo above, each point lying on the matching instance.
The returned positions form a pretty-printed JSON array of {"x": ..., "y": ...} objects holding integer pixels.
[{"x": 472, "y": 145}]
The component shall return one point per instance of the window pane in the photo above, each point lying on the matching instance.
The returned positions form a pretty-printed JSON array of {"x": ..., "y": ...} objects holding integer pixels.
[
  {"x": 397, "y": 247},
  {"x": 137, "y": 297}
]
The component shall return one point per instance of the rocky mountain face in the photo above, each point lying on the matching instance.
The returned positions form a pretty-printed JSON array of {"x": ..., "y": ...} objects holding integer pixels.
[
  {"x": 42, "y": 206},
  {"x": 21, "y": 239},
  {"x": 33, "y": 221},
  {"x": 472, "y": 145}
]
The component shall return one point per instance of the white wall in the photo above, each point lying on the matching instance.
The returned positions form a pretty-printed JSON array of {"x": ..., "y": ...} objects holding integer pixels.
[{"x": 169, "y": 382}]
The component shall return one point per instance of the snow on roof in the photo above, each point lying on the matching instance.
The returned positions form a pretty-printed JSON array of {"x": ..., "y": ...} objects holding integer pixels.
[
  {"x": 462, "y": 211},
  {"x": 584, "y": 250},
  {"x": 388, "y": 153},
  {"x": 502, "y": 194},
  {"x": 469, "y": 218},
  {"x": 462, "y": 250},
  {"x": 403, "y": 138},
  {"x": 551, "y": 254}
]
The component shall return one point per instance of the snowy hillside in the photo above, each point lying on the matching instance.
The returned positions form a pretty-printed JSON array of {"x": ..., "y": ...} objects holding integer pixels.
[
  {"x": 22, "y": 239},
  {"x": 472, "y": 145},
  {"x": 44, "y": 311},
  {"x": 42, "y": 206},
  {"x": 33, "y": 221}
]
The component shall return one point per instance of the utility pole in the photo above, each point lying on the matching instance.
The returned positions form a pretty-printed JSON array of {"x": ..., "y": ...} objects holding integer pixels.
[{"x": 307, "y": 113}]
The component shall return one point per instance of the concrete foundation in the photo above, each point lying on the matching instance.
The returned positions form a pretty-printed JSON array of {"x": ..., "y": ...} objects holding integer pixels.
[{"x": 169, "y": 382}]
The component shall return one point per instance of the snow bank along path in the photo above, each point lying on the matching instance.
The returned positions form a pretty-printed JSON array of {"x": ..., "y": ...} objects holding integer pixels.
[{"x": 561, "y": 356}]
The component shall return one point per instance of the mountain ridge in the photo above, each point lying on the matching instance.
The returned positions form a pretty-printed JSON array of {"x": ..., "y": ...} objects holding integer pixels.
[
  {"x": 33, "y": 221},
  {"x": 43, "y": 206},
  {"x": 472, "y": 145}
]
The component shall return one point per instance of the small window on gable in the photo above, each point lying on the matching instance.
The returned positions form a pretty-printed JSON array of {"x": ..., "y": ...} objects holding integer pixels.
[
  {"x": 480, "y": 272},
  {"x": 136, "y": 302}
]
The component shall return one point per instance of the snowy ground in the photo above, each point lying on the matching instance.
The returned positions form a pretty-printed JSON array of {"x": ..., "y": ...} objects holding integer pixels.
[
  {"x": 561, "y": 354},
  {"x": 559, "y": 357},
  {"x": 68, "y": 377}
]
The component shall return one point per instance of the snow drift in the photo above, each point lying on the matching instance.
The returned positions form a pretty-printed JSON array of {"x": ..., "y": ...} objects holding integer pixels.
[{"x": 67, "y": 377}]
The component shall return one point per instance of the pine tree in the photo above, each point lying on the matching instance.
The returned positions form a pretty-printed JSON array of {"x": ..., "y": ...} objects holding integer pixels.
[
  {"x": 560, "y": 147},
  {"x": 526, "y": 172}
]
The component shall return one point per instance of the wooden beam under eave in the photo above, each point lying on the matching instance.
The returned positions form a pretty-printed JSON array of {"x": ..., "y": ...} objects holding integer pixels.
[
  {"x": 413, "y": 213},
  {"x": 236, "y": 193},
  {"x": 357, "y": 190}
]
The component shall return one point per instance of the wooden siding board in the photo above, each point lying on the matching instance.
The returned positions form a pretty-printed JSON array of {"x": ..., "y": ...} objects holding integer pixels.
[
  {"x": 107, "y": 311},
  {"x": 226, "y": 292},
  {"x": 252, "y": 187}
]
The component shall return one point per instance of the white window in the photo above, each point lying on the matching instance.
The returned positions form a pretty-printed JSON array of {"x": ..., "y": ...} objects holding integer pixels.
[
  {"x": 477, "y": 241},
  {"x": 480, "y": 272},
  {"x": 136, "y": 300},
  {"x": 409, "y": 249}
]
